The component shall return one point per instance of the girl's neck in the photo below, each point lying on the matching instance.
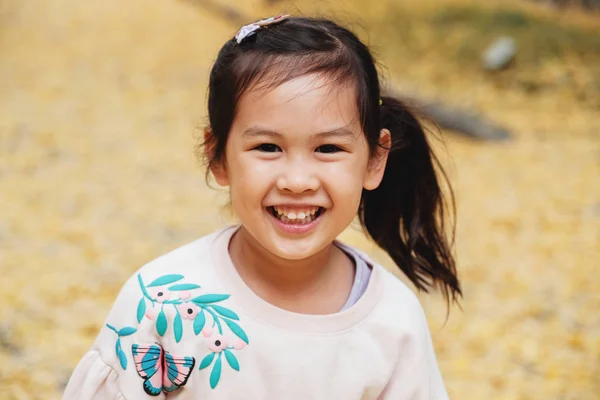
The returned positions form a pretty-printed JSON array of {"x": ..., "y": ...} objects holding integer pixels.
[{"x": 319, "y": 284}]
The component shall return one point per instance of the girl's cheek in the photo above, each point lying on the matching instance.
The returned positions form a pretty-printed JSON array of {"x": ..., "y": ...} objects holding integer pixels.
[
  {"x": 255, "y": 175},
  {"x": 344, "y": 184},
  {"x": 260, "y": 167},
  {"x": 249, "y": 163},
  {"x": 343, "y": 173}
]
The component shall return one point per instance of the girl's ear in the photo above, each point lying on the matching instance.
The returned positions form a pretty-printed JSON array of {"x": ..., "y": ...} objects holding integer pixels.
[
  {"x": 218, "y": 167},
  {"x": 376, "y": 166}
]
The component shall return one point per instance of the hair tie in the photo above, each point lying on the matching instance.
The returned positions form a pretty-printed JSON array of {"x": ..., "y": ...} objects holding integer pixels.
[{"x": 250, "y": 29}]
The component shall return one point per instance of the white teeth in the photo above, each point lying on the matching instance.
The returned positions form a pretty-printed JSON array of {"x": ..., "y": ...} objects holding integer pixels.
[{"x": 299, "y": 217}]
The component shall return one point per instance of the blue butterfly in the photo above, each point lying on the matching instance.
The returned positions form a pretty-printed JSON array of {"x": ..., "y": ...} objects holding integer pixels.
[{"x": 160, "y": 369}]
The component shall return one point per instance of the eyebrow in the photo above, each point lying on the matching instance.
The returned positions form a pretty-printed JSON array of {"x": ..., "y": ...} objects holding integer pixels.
[{"x": 341, "y": 132}]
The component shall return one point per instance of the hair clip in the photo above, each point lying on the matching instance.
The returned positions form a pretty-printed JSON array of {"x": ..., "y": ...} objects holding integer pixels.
[{"x": 250, "y": 29}]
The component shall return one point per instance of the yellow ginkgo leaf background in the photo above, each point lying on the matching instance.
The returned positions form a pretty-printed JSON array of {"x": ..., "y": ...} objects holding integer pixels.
[{"x": 102, "y": 104}]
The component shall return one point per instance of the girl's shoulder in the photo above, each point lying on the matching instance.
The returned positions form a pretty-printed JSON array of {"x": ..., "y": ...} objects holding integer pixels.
[
  {"x": 165, "y": 284},
  {"x": 192, "y": 255},
  {"x": 397, "y": 302},
  {"x": 174, "y": 275},
  {"x": 391, "y": 283}
]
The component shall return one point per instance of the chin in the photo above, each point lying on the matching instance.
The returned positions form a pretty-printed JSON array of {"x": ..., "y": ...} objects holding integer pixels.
[{"x": 293, "y": 249}]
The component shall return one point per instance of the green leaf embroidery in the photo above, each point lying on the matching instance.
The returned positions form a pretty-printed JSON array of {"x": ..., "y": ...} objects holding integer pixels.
[
  {"x": 206, "y": 303},
  {"x": 177, "y": 327},
  {"x": 112, "y": 328},
  {"x": 235, "y": 328},
  {"x": 210, "y": 298},
  {"x": 166, "y": 279},
  {"x": 141, "y": 310},
  {"x": 161, "y": 323},
  {"x": 215, "y": 319},
  {"x": 143, "y": 287},
  {"x": 123, "y": 360},
  {"x": 184, "y": 286},
  {"x": 121, "y": 354},
  {"x": 206, "y": 361},
  {"x": 226, "y": 312},
  {"x": 232, "y": 360},
  {"x": 199, "y": 322},
  {"x": 215, "y": 375},
  {"x": 127, "y": 331}
]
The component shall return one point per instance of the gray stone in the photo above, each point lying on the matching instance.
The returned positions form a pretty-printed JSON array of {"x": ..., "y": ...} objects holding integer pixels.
[{"x": 500, "y": 53}]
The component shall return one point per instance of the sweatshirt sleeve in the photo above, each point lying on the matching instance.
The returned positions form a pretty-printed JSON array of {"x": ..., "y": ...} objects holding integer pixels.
[
  {"x": 93, "y": 379},
  {"x": 417, "y": 375},
  {"x": 108, "y": 370}
]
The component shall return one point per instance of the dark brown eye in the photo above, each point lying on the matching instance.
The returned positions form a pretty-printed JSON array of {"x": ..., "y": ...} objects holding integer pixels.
[
  {"x": 217, "y": 342},
  {"x": 268, "y": 148},
  {"x": 328, "y": 148}
]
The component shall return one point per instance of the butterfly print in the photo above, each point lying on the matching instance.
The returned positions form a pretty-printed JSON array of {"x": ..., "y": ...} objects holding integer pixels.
[{"x": 161, "y": 370}]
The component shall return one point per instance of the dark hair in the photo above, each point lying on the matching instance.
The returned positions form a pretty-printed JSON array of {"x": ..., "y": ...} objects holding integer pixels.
[{"x": 405, "y": 214}]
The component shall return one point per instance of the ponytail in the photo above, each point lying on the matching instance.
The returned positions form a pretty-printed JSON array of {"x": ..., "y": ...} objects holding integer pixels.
[{"x": 405, "y": 215}]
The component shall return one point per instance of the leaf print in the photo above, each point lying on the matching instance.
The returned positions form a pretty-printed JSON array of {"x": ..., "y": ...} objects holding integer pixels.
[
  {"x": 177, "y": 327},
  {"x": 210, "y": 298},
  {"x": 141, "y": 310},
  {"x": 215, "y": 319},
  {"x": 232, "y": 360},
  {"x": 235, "y": 328},
  {"x": 123, "y": 359},
  {"x": 143, "y": 287},
  {"x": 208, "y": 318},
  {"x": 226, "y": 312},
  {"x": 199, "y": 322},
  {"x": 184, "y": 286},
  {"x": 112, "y": 328},
  {"x": 215, "y": 375},
  {"x": 161, "y": 323},
  {"x": 206, "y": 361},
  {"x": 166, "y": 279},
  {"x": 121, "y": 354},
  {"x": 127, "y": 331}
]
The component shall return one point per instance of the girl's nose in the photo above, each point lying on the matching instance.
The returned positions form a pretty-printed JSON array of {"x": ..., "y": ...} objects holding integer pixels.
[{"x": 297, "y": 177}]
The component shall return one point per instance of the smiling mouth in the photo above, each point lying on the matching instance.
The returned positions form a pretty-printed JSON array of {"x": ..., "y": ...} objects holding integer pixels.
[{"x": 297, "y": 217}]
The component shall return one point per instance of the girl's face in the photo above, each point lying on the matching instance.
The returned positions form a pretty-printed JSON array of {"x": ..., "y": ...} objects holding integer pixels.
[{"x": 296, "y": 162}]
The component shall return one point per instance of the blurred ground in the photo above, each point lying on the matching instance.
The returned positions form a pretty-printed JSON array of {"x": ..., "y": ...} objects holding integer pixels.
[{"x": 99, "y": 105}]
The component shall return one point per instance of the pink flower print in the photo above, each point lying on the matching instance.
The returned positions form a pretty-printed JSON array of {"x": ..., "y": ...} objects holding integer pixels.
[
  {"x": 150, "y": 313},
  {"x": 188, "y": 310},
  {"x": 239, "y": 344},
  {"x": 184, "y": 295},
  {"x": 207, "y": 331},
  {"x": 216, "y": 343},
  {"x": 159, "y": 294}
]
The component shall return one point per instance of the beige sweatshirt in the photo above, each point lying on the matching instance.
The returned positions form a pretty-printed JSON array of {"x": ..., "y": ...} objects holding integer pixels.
[{"x": 186, "y": 326}]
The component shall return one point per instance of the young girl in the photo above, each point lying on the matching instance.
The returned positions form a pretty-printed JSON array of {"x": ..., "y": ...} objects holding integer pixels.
[{"x": 276, "y": 308}]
